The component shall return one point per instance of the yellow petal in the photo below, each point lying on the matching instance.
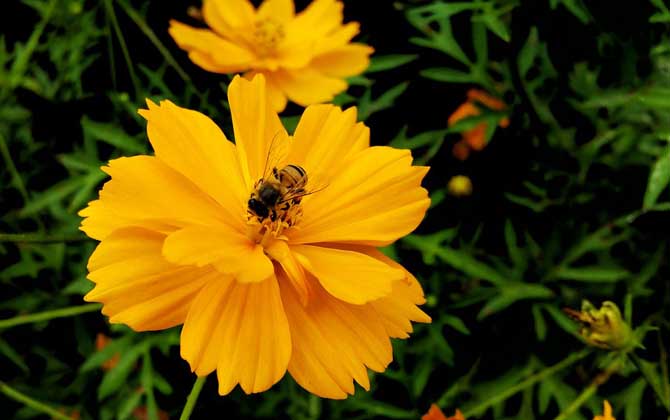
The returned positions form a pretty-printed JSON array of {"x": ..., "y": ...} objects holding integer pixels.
[
  {"x": 333, "y": 342},
  {"x": 256, "y": 125},
  {"x": 193, "y": 145},
  {"x": 281, "y": 10},
  {"x": 345, "y": 61},
  {"x": 227, "y": 17},
  {"x": 277, "y": 98},
  {"x": 325, "y": 139},
  {"x": 228, "y": 250},
  {"x": 240, "y": 330},
  {"x": 145, "y": 191},
  {"x": 279, "y": 251},
  {"x": 307, "y": 86},
  {"x": 376, "y": 199},
  {"x": 318, "y": 19},
  {"x": 137, "y": 286},
  {"x": 350, "y": 276},
  {"x": 399, "y": 309},
  {"x": 210, "y": 50},
  {"x": 338, "y": 37}
]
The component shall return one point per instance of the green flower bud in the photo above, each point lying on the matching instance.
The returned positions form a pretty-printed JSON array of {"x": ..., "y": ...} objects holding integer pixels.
[{"x": 603, "y": 328}]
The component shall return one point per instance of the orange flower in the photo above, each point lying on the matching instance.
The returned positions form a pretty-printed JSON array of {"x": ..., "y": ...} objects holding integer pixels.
[
  {"x": 475, "y": 138},
  {"x": 607, "y": 412},
  {"x": 101, "y": 341},
  {"x": 266, "y": 278},
  {"x": 434, "y": 413},
  {"x": 304, "y": 56}
]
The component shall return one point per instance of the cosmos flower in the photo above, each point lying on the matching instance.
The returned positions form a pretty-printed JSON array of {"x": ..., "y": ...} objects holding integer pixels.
[
  {"x": 434, "y": 413},
  {"x": 607, "y": 412},
  {"x": 304, "y": 56},
  {"x": 475, "y": 138},
  {"x": 304, "y": 290}
]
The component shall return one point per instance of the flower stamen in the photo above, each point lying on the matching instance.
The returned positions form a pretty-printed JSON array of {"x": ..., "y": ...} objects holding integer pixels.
[{"x": 267, "y": 34}]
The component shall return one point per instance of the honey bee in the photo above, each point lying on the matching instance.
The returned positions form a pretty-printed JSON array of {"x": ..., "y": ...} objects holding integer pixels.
[
  {"x": 278, "y": 193},
  {"x": 279, "y": 190}
]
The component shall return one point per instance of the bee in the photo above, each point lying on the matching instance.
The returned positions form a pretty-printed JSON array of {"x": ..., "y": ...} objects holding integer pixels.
[
  {"x": 277, "y": 193},
  {"x": 279, "y": 190}
]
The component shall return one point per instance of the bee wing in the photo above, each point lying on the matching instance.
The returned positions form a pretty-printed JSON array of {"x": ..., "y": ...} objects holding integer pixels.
[
  {"x": 277, "y": 153},
  {"x": 310, "y": 188}
]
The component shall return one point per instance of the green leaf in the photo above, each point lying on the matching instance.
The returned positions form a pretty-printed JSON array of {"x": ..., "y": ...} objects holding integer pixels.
[
  {"x": 369, "y": 106},
  {"x": 540, "y": 323},
  {"x": 388, "y": 62},
  {"x": 443, "y": 74},
  {"x": 513, "y": 292},
  {"x": 95, "y": 360},
  {"x": 592, "y": 274},
  {"x": 659, "y": 178},
  {"x": 110, "y": 134},
  {"x": 516, "y": 254},
  {"x": 116, "y": 377}
]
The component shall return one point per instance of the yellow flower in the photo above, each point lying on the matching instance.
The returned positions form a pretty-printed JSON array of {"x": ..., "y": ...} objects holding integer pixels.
[
  {"x": 304, "y": 56},
  {"x": 311, "y": 294},
  {"x": 607, "y": 412}
]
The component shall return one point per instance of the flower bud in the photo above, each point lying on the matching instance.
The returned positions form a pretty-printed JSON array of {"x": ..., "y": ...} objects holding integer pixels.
[{"x": 603, "y": 328}]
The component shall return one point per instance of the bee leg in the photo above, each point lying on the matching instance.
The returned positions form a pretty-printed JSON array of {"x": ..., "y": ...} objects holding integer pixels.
[{"x": 273, "y": 216}]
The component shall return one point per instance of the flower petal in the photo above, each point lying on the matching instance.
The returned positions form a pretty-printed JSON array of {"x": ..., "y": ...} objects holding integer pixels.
[
  {"x": 333, "y": 342},
  {"x": 256, "y": 125},
  {"x": 228, "y": 250},
  {"x": 318, "y": 19},
  {"x": 145, "y": 191},
  {"x": 209, "y": 50},
  {"x": 325, "y": 139},
  {"x": 279, "y": 251},
  {"x": 345, "y": 61},
  {"x": 282, "y": 10},
  {"x": 376, "y": 199},
  {"x": 307, "y": 86},
  {"x": 277, "y": 98},
  {"x": 399, "y": 308},
  {"x": 227, "y": 17},
  {"x": 348, "y": 275},
  {"x": 137, "y": 286},
  {"x": 195, "y": 146},
  {"x": 240, "y": 330}
]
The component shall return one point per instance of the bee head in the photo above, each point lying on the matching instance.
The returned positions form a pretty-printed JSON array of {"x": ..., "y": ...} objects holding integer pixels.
[{"x": 258, "y": 208}]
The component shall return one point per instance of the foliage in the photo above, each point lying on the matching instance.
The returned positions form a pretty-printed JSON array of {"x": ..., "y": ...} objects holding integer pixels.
[{"x": 570, "y": 202}]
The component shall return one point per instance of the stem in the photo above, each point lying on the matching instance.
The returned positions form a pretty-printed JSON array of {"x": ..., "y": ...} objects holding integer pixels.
[
  {"x": 47, "y": 315},
  {"x": 590, "y": 390},
  {"x": 41, "y": 237},
  {"x": 192, "y": 398},
  {"x": 654, "y": 385},
  {"x": 530, "y": 381},
  {"x": 139, "y": 21},
  {"x": 16, "y": 176},
  {"x": 29, "y": 402},
  {"x": 109, "y": 7}
]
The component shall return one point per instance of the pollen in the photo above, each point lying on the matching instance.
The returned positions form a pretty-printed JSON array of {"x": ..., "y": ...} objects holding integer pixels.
[{"x": 267, "y": 35}]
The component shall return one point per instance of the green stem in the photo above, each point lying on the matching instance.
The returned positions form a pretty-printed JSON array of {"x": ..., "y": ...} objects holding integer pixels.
[
  {"x": 654, "y": 384},
  {"x": 29, "y": 402},
  {"x": 16, "y": 176},
  {"x": 139, "y": 21},
  {"x": 530, "y": 381},
  {"x": 47, "y": 315},
  {"x": 589, "y": 391},
  {"x": 37, "y": 237},
  {"x": 192, "y": 398},
  {"x": 109, "y": 7}
]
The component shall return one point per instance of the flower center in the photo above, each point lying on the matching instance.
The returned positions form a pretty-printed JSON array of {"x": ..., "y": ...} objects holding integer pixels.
[
  {"x": 267, "y": 34},
  {"x": 274, "y": 203}
]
